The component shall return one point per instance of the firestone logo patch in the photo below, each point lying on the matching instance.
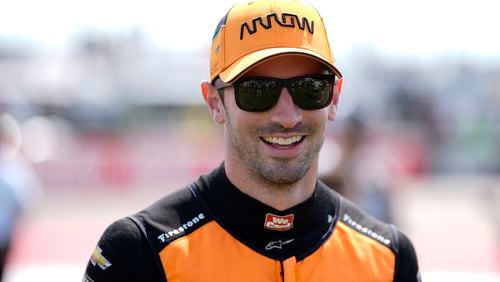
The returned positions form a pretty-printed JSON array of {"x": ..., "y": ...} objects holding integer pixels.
[{"x": 278, "y": 223}]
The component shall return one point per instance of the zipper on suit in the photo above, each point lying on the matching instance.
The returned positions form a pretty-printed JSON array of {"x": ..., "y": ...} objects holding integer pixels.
[{"x": 282, "y": 271}]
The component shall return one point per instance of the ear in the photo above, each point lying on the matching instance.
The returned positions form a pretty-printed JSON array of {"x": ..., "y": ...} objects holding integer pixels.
[
  {"x": 213, "y": 101},
  {"x": 332, "y": 111}
]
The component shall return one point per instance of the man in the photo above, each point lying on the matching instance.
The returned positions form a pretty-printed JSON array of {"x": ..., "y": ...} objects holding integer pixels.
[
  {"x": 19, "y": 187},
  {"x": 262, "y": 215},
  {"x": 9, "y": 214}
]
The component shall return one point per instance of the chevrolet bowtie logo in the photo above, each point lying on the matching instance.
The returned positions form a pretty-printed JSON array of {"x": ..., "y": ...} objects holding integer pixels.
[
  {"x": 99, "y": 259},
  {"x": 277, "y": 244}
]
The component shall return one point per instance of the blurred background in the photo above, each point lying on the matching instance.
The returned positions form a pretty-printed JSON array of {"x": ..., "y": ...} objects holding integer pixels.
[{"x": 101, "y": 113}]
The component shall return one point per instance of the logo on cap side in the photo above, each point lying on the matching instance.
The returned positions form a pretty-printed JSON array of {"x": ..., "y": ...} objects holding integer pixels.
[
  {"x": 287, "y": 20},
  {"x": 278, "y": 223}
]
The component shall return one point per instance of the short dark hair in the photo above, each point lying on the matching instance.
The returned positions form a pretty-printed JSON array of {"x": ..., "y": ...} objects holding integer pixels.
[{"x": 221, "y": 95}]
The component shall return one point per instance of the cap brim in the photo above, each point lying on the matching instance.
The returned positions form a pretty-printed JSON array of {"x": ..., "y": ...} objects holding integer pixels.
[{"x": 242, "y": 65}]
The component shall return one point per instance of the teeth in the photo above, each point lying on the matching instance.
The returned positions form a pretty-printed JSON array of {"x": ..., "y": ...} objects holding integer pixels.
[{"x": 283, "y": 141}]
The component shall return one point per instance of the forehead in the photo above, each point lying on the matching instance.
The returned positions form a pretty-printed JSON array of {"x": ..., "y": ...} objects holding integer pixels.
[{"x": 287, "y": 66}]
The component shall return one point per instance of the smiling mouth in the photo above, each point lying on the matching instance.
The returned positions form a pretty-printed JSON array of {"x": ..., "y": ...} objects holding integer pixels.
[{"x": 282, "y": 141}]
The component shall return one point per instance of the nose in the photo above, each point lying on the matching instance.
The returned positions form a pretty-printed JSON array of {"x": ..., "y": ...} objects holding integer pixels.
[{"x": 285, "y": 112}]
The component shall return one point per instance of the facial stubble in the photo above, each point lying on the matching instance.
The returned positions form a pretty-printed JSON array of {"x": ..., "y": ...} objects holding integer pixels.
[{"x": 274, "y": 171}]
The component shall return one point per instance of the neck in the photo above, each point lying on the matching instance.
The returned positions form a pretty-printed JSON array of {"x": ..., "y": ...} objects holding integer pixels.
[{"x": 276, "y": 195}]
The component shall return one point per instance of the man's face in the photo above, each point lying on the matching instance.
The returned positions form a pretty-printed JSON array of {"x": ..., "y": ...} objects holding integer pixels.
[{"x": 281, "y": 145}]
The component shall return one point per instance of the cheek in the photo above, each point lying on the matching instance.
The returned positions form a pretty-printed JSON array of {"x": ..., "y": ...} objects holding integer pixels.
[
  {"x": 318, "y": 117},
  {"x": 245, "y": 124},
  {"x": 245, "y": 121}
]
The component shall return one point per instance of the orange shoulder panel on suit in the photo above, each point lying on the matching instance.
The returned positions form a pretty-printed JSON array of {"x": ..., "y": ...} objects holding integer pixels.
[
  {"x": 348, "y": 256},
  {"x": 211, "y": 254}
]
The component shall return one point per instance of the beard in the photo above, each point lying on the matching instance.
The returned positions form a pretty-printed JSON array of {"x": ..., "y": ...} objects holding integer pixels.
[{"x": 274, "y": 170}]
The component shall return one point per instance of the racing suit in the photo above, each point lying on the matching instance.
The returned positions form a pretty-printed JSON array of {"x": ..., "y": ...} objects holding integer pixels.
[{"x": 211, "y": 231}]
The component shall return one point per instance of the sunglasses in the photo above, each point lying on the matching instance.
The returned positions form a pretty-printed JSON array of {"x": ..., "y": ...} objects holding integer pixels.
[{"x": 260, "y": 94}]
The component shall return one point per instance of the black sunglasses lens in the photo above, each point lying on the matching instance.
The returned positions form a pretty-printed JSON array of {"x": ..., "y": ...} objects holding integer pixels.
[
  {"x": 311, "y": 93},
  {"x": 257, "y": 95}
]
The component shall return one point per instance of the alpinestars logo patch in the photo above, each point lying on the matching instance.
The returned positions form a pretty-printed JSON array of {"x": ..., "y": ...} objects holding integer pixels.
[
  {"x": 278, "y": 223},
  {"x": 278, "y": 244}
]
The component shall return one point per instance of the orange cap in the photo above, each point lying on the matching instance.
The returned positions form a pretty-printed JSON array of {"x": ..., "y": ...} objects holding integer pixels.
[{"x": 252, "y": 32}]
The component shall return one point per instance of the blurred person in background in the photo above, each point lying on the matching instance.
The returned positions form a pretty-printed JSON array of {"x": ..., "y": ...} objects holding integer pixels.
[
  {"x": 262, "y": 215},
  {"x": 359, "y": 174},
  {"x": 18, "y": 186}
]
